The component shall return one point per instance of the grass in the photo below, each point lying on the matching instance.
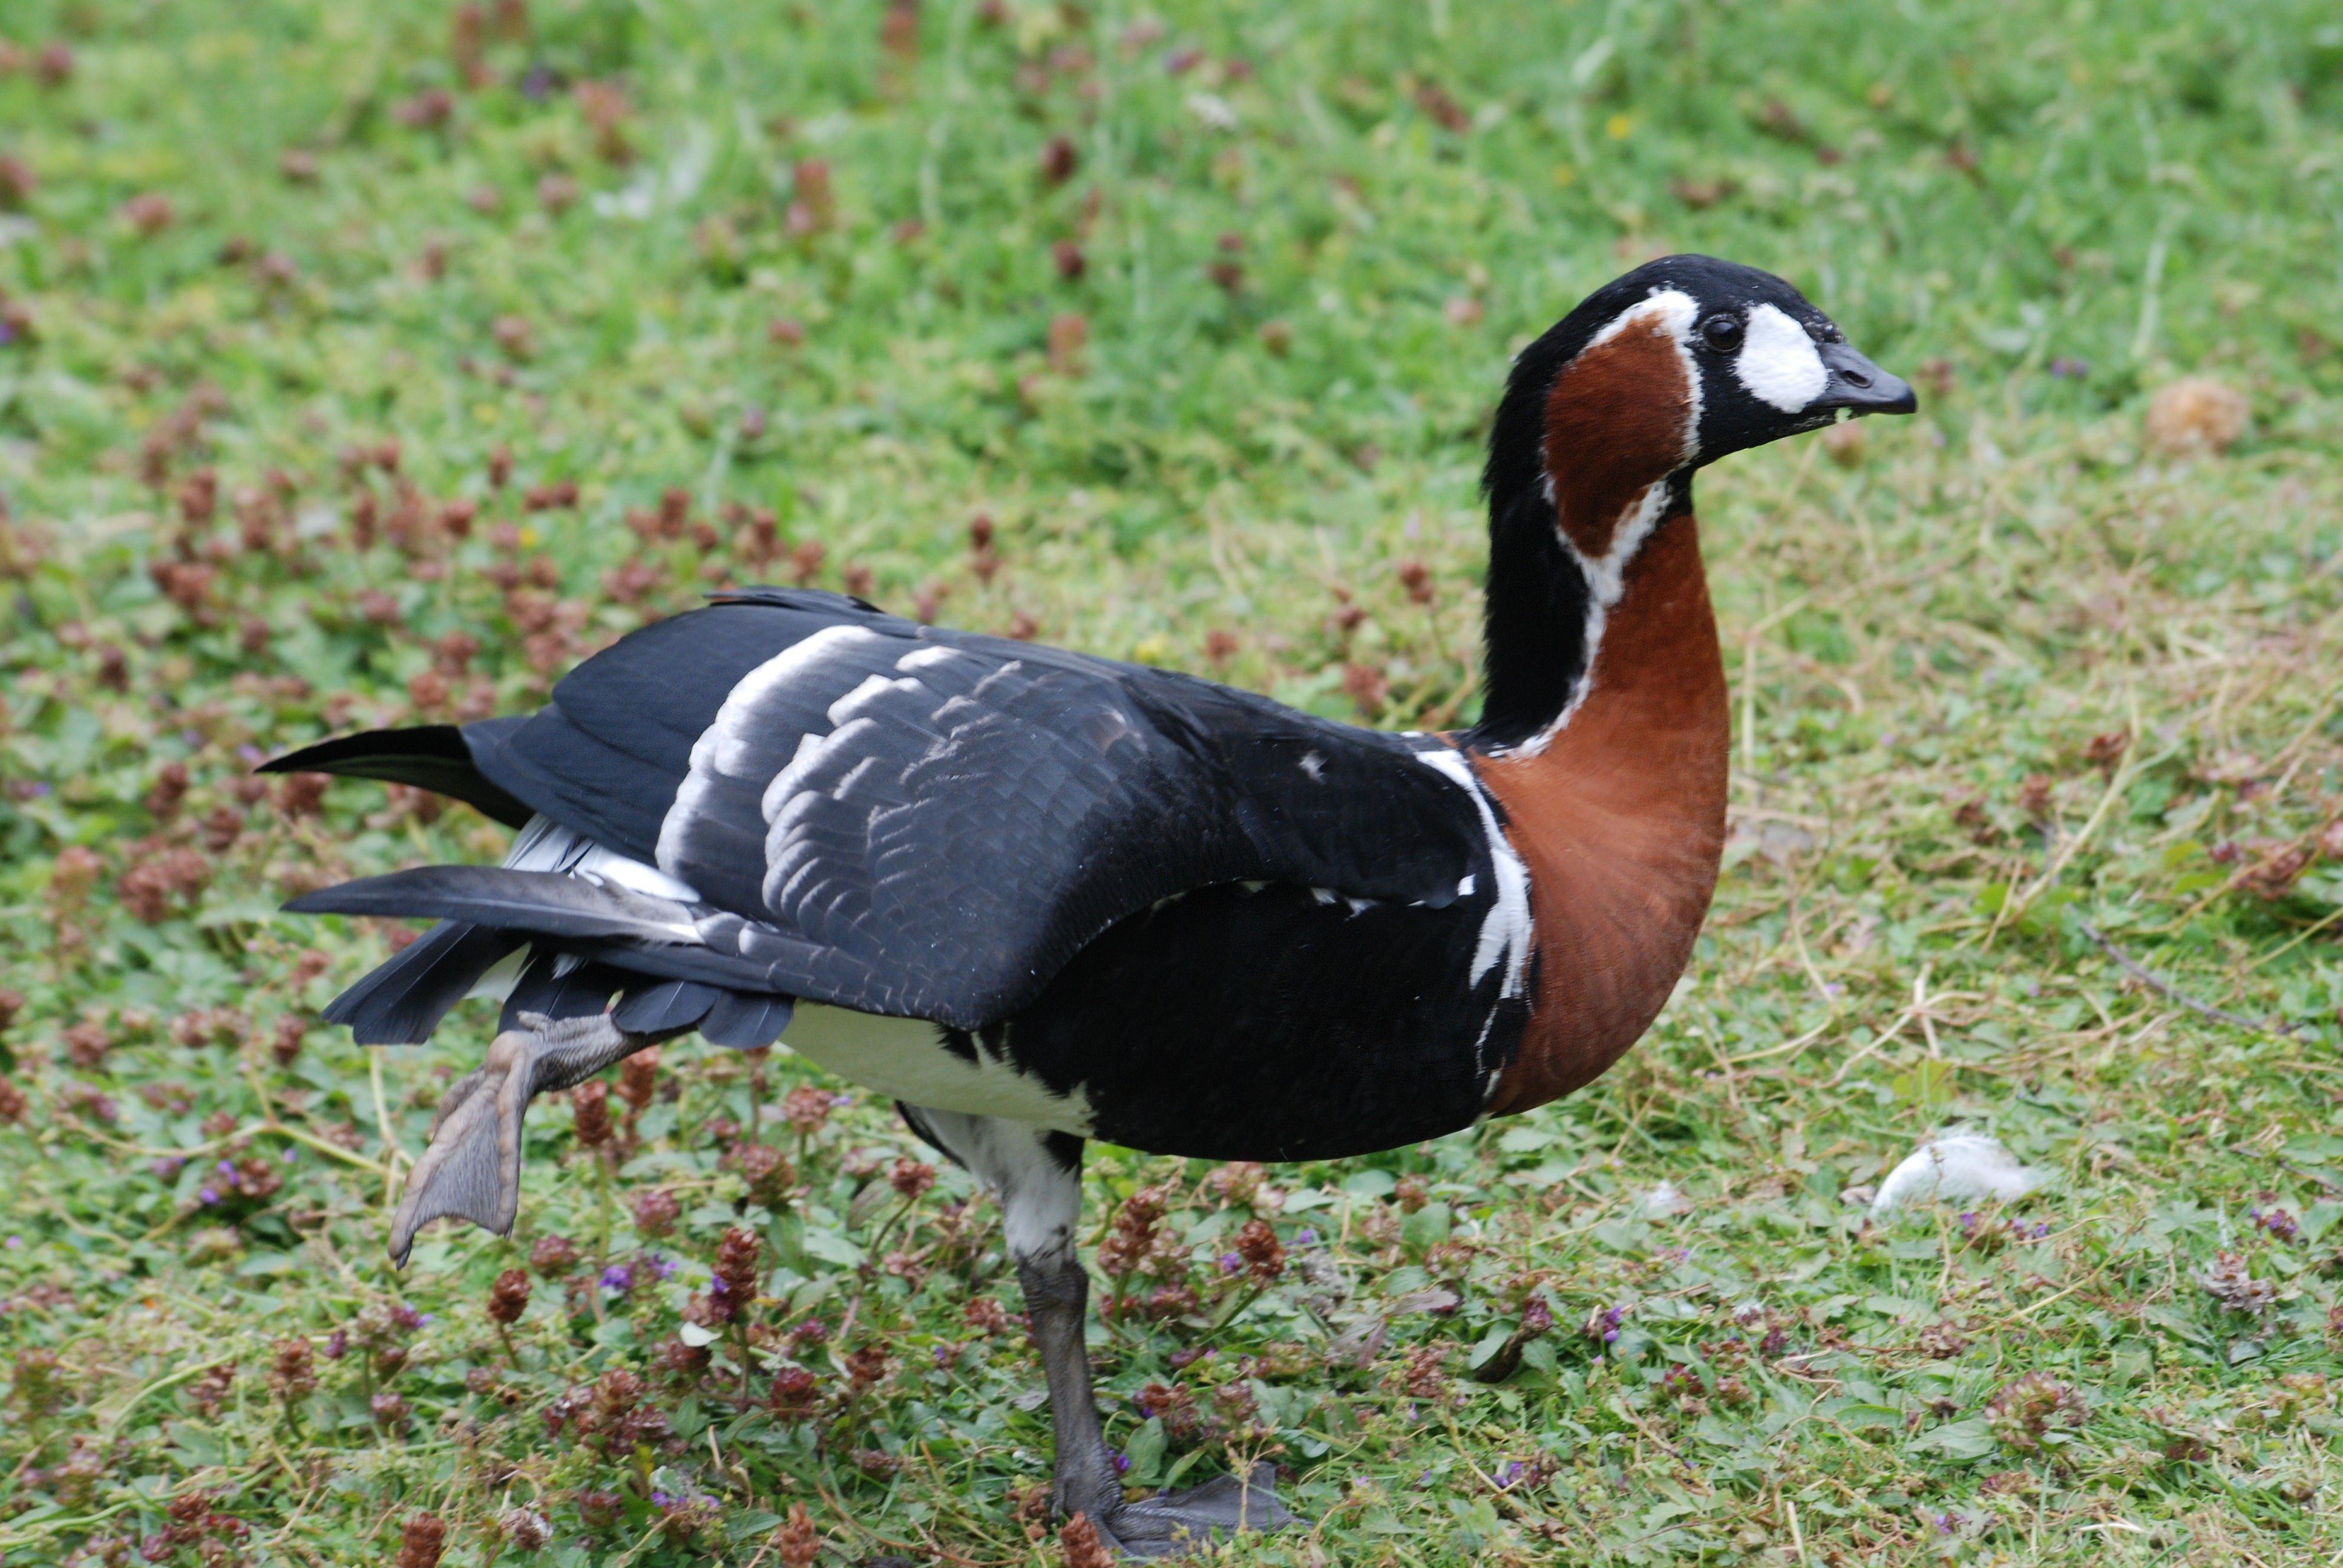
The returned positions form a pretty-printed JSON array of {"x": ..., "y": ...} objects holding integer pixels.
[{"x": 790, "y": 275}]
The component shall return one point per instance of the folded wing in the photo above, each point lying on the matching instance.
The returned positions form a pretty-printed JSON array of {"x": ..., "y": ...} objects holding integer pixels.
[{"x": 920, "y": 822}]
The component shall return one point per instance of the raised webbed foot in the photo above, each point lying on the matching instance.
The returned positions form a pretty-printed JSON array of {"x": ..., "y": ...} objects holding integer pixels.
[{"x": 472, "y": 1169}]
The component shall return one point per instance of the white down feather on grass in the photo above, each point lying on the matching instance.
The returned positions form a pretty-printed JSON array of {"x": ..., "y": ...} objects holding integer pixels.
[{"x": 1957, "y": 1165}]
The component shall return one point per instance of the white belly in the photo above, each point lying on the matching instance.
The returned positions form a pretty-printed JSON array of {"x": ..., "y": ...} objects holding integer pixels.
[{"x": 904, "y": 1059}]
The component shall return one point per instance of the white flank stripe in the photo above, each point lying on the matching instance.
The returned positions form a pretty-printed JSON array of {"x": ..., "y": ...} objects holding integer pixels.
[
  {"x": 546, "y": 846},
  {"x": 1505, "y": 933}
]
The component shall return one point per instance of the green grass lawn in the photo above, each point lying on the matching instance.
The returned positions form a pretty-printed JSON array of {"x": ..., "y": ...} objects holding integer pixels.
[{"x": 371, "y": 364}]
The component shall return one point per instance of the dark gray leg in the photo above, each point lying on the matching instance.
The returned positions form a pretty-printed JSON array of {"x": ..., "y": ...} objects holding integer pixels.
[
  {"x": 1057, "y": 1297},
  {"x": 1036, "y": 1175}
]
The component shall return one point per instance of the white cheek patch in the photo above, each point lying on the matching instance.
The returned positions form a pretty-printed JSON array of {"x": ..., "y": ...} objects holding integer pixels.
[{"x": 1778, "y": 363}]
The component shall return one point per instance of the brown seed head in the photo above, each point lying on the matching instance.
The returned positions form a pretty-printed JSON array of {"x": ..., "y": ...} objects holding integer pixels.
[
  {"x": 1070, "y": 334},
  {"x": 796, "y": 1394},
  {"x": 806, "y": 1109},
  {"x": 149, "y": 212},
  {"x": 553, "y": 1256},
  {"x": 163, "y": 801},
  {"x": 639, "y": 1079},
  {"x": 292, "y": 1373},
  {"x": 656, "y": 1212},
  {"x": 420, "y": 1543},
  {"x": 426, "y": 110},
  {"x": 1079, "y": 1544},
  {"x": 591, "y": 1112},
  {"x": 734, "y": 1291},
  {"x": 798, "y": 1543},
  {"x": 508, "y": 1297},
  {"x": 816, "y": 206},
  {"x": 1264, "y": 1253},
  {"x": 865, "y": 1368},
  {"x": 910, "y": 1178},
  {"x": 766, "y": 1171}
]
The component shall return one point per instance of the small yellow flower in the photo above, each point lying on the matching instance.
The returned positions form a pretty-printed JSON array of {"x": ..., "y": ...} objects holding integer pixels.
[
  {"x": 528, "y": 536},
  {"x": 1565, "y": 174},
  {"x": 1619, "y": 126}
]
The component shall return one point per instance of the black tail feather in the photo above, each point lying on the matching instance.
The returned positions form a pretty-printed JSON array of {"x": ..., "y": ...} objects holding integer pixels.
[
  {"x": 431, "y": 756},
  {"x": 580, "y": 991},
  {"x": 666, "y": 1007},
  {"x": 546, "y": 903},
  {"x": 747, "y": 1021},
  {"x": 400, "y": 1002},
  {"x": 634, "y": 931}
]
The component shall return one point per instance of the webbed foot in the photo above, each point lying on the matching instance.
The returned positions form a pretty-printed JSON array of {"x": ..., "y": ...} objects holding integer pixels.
[
  {"x": 472, "y": 1168},
  {"x": 1178, "y": 1521}
]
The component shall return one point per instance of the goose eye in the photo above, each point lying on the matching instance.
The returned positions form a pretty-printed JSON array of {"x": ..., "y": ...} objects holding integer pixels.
[{"x": 1722, "y": 332}]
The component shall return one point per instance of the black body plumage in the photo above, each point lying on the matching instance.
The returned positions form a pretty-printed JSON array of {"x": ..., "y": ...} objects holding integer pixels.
[{"x": 1230, "y": 928}]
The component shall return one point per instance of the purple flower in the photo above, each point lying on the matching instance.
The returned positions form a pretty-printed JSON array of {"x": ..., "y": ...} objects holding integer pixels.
[
  {"x": 1122, "y": 1460},
  {"x": 662, "y": 1500},
  {"x": 15, "y": 1242},
  {"x": 1948, "y": 1522},
  {"x": 406, "y": 1317},
  {"x": 620, "y": 1279},
  {"x": 661, "y": 1266},
  {"x": 38, "y": 788},
  {"x": 337, "y": 1344},
  {"x": 209, "y": 1195},
  {"x": 2276, "y": 1222},
  {"x": 2069, "y": 369},
  {"x": 1230, "y": 1262},
  {"x": 226, "y": 1168},
  {"x": 1306, "y": 1238},
  {"x": 1510, "y": 1473}
]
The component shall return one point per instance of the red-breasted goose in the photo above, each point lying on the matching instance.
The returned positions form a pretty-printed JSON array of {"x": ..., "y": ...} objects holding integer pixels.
[{"x": 1039, "y": 896}]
